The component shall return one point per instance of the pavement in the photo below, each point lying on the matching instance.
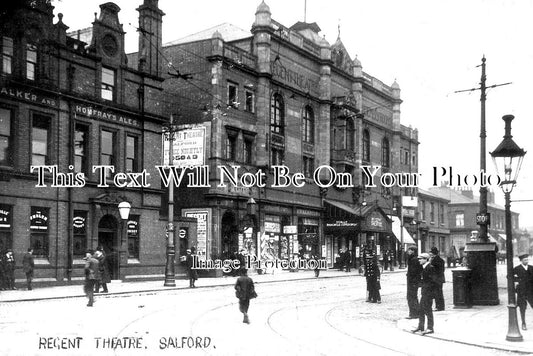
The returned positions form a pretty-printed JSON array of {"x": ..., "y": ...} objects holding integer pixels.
[{"x": 482, "y": 326}]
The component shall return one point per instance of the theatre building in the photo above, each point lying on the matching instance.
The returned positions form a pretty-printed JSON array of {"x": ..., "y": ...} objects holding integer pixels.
[
  {"x": 284, "y": 96},
  {"x": 69, "y": 101}
]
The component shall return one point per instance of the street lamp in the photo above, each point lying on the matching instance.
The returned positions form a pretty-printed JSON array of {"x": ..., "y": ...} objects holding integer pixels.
[
  {"x": 508, "y": 157},
  {"x": 124, "y": 208}
]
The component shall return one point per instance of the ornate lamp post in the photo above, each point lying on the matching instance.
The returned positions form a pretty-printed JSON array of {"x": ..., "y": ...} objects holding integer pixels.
[
  {"x": 508, "y": 158},
  {"x": 124, "y": 208}
]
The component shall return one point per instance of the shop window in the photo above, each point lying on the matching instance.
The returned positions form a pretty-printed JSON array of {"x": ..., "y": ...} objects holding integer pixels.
[
  {"x": 277, "y": 115},
  {"x": 131, "y": 154},
  {"x": 308, "y": 125},
  {"x": 107, "y": 149},
  {"x": 7, "y": 55},
  {"x": 79, "y": 224},
  {"x": 40, "y": 136},
  {"x": 6, "y": 137},
  {"x": 249, "y": 100},
  {"x": 39, "y": 231},
  {"x": 108, "y": 83},
  {"x": 6, "y": 221},
  {"x": 233, "y": 98},
  {"x": 81, "y": 142},
  {"x": 133, "y": 237},
  {"x": 31, "y": 61}
]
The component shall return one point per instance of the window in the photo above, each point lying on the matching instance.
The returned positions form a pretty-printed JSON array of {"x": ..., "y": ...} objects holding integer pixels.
[
  {"x": 308, "y": 125},
  {"x": 277, "y": 115},
  {"x": 133, "y": 236},
  {"x": 107, "y": 144},
  {"x": 406, "y": 157},
  {"x": 31, "y": 61},
  {"x": 231, "y": 145},
  {"x": 309, "y": 166},
  {"x": 79, "y": 225},
  {"x": 413, "y": 156},
  {"x": 39, "y": 231},
  {"x": 81, "y": 141},
  {"x": 6, "y": 137},
  {"x": 248, "y": 143},
  {"x": 385, "y": 152},
  {"x": 276, "y": 157},
  {"x": 441, "y": 213},
  {"x": 459, "y": 219},
  {"x": 249, "y": 100},
  {"x": 366, "y": 146},
  {"x": 350, "y": 135},
  {"x": 108, "y": 83},
  {"x": 423, "y": 211},
  {"x": 7, "y": 55},
  {"x": 233, "y": 99},
  {"x": 432, "y": 212},
  {"x": 6, "y": 221},
  {"x": 131, "y": 154},
  {"x": 40, "y": 144}
]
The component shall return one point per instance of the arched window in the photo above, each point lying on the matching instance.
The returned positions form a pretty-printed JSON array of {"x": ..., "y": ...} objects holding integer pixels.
[
  {"x": 385, "y": 152},
  {"x": 350, "y": 135},
  {"x": 308, "y": 125},
  {"x": 366, "y": 146},
  {"x": 277, "y": 114}
]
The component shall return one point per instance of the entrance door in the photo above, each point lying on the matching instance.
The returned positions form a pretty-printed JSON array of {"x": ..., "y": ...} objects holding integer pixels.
[{"x": 108, "y": 239}]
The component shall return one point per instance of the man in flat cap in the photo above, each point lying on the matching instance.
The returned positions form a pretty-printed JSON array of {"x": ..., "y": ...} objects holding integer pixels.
[
  {"x": 92, "y": 274},
  {"x": 429, "y": 287},
  {"x": 523, "y": 274}
]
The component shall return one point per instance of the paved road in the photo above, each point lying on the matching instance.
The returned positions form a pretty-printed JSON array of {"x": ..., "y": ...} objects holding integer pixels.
[{"x": 312, "y": 317}]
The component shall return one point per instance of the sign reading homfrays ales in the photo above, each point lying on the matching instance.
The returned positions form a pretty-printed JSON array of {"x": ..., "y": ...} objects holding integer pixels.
[
  {"x": 188, "y": 147},
  {"x": 105, "y": 115}
]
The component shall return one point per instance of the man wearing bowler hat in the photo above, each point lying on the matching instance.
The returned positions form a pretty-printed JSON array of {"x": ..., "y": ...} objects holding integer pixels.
[
  {"x": 429, "y": 287},
  {"x": 438, "y": 263},
  {"x": 523, "y": 274}
]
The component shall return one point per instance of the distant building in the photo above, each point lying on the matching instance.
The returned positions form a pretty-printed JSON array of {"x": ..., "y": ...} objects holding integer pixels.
[
  {"x": 433, "y": 228},
  {"x": 464, "y": 206},
  {"x": 285, "y": 96}
]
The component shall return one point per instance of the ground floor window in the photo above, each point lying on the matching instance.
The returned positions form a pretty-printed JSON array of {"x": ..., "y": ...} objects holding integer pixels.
[
  {"x": 6, "y": 236},
  {"x": 79, "y": 224},
  {"x": 133, "y": 236},
  {"x": 39, "y": 218}
]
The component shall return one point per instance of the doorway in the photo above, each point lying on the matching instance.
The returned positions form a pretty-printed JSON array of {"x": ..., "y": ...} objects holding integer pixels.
[{"x": 108, "y": 238}]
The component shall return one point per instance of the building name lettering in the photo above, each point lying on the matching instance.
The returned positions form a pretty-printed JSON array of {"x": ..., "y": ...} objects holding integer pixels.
[
  {"x": 105, "y": 115},
  {"x": 27, "y": 96},
  {"x": 292, "y": 77}
]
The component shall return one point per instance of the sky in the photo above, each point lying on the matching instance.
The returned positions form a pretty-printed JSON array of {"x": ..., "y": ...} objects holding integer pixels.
[{"x": 432, "y": 48}]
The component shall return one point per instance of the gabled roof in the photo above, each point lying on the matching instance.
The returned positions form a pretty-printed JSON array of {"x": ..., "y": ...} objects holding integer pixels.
[
  {"x": 228, "y": 31},
  {"x": 456, "y": 197}
]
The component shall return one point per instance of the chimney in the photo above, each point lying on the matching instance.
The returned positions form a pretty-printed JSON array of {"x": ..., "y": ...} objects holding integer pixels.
[{"x": 150, "y": 37}]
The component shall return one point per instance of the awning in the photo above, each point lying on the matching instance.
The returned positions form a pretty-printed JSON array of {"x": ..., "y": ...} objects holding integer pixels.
[
  {"x": 342, "y": 206},
  {"x": 491, "y": 238},
  {"x": 396, "y": 230},
  {"x": 503, "y": 236}
]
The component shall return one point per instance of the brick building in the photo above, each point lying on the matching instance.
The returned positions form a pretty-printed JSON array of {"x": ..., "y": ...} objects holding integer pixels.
[
  {"x": 72, "y": 101},
  {"x": 433, "y": 222},
  {"x": 464, "y": 206},
  {"x": 285, "y": 96}
]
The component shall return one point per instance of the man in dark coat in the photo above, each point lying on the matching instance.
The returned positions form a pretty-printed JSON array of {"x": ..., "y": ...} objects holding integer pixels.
[
  {"x": 92, "y": 274},
  {"x": 348, "y": 260},
  {"x": 372, "y": 275},
  {"x": 244, "y": 291},
  {"x": 523, "y": 274},
  {"x": 414, "y": 274},
  {"x": 9, "y": 269},
  {"x": 429, "y": 287},
  {"x": 28, "y": 264},
  {"x": 438, "y": 263},
  {"x": 191, "y": 272},
  {"x": 103, "y": 269}
]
